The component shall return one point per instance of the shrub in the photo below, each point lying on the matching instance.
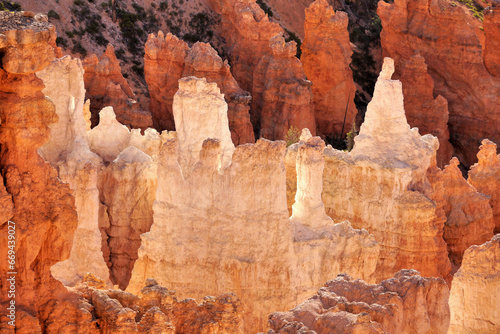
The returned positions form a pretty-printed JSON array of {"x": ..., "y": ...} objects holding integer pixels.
[
  {"x": 61, "y": 41},
  {"x": 52, "y": 14},
  {"x": 78, "y": 48},
  {"x": 293, "y": 37},
  {"x": 265, "y": 8},
  {"x": 292, "y": 136},
  {"x": 69, "y": 34},
  {"x": 349, "y": 141},
  {"x": 163, "y": 6}
]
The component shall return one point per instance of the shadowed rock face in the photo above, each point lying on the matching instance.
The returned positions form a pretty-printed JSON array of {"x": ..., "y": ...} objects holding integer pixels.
[
  {"x": 476, "y": 289},
  {"x": 326, "y": 56},
  {"x": 449, "y": 39},
  {"x": 105, "y": 86},
  {"x": 172, "y": 57},
  {"x": 407, "y": 303}
]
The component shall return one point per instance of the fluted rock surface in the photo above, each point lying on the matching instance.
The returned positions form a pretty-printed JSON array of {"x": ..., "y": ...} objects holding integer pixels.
[
  {"x": 469, "y": 218},
  {"x": 326, "y": 56},
  {"x": 173, "y": 57},
  {"x": 105, "y": 86},
  {"x": 224, "y": 226},
  {"x": 44, "y": 209},
  {"x": 451, "y": 41},
  {"x": 423, "y": 111},
  {"x": 476, "y": 290},
  {"x": 485, "y": 177},
  {"x": 407, "y": 303},
  {"x": 492, "y": 43},
  {"x": 381, "y": 186},
  {"x": 282, "y": 95}
]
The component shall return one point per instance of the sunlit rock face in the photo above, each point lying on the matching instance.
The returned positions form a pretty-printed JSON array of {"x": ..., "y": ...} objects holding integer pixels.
[
  {"x": 221, "y": 220},
  {"x": 326, "y": 56},
  {"x": 407, "y": 303},
  {"x": 105, "y": 86},
  {"x": 172, "y": 57},
  {"x": 476, "y": 290},
  {"x": 460, "y": 56},
  {"x": 381, "y": 186},
  {"x": 485, "y": 177}
]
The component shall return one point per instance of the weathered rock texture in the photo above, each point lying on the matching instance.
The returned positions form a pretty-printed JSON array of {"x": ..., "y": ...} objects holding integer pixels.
[
  {"x": 68, "y": 151},
  {"x": 449, "y": 39},
  {"x": 105, "y": 86},
  {"x": 469, "y": 218},
  {"x": 247, "y": 31},
  {"x": 225, "y": 226},
  {"x": 381, "y": 186},
  {"x": 168, "y": 59},
  {"x": 156, "y": 310},
  {"x": 492, "y": 43},
  {"x": 282, "y": 95},
  {"x": 485, "y": 177},
  {"x": 428, "y": 114},
  {"x": 44, "y": 210},
  {"x": 326, "y": 56},
  {"x": 476, "y": 290},
  {"x": 407, "y": 303}
]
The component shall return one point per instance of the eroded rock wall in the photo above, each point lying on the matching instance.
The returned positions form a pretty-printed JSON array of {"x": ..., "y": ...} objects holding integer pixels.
[{"x": 451, "y": 41}]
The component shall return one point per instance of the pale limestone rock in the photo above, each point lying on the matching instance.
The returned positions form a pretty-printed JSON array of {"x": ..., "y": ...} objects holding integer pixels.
[
  {"x": 200, "y": 112},
  {"x": 67, "y": 149},
  {"x": 475, "y": 291},
  {"x": 110, "y": 137},
  {"x": 228, "y": 229}
]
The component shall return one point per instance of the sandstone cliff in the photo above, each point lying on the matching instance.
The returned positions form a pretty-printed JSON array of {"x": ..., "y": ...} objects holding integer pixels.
[
  {"x": 451, "y": 41},
  {"x": 492, "y": 42},
  {"x": 423, "y": 111},
  {"x": 222, "y": 223},
  {"x": 282, "y": 95},
  {"x": 381, "y": 186},
  {"x": 326, "y": 56},
  {"x": 476, "y": 290},
  {"x": 168, "y": 59},
  {"x": 44, "y": 210},
  {"x": 106, "y": 86},
  {"x": 485, "y": 177},
  {"x": 407, "y": 303}
]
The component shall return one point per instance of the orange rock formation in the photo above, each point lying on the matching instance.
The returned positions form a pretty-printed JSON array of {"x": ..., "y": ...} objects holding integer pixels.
[
  {"x": 428, "y": 114},
  {"x": 169, "y": 55},
  {"x": 485, "y": 177},
  {"x": 492, "y": 43},
  {"x": 44, "y": 210},
  {"x": 105, "y": 86},
  {"x": 475, "y": 290},
  {"x": 326, "y": 56},
  {"x": 407, "y": 303},
  {"x": 282, "y": 95},
  {"x": 449, "y": 39}
]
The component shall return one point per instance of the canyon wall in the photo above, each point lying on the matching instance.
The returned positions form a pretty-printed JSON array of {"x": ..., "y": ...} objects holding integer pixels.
[
  {"x": 105, "y": 86},
  {"x": 168, "y": 59},
  {"x": 475, "y": 290},
  {"x": 406, "y": 303},
  {"x": 450, "y": 39},
  {"x": 326, "y": 56},
  {"x": 225, "y": 226}
]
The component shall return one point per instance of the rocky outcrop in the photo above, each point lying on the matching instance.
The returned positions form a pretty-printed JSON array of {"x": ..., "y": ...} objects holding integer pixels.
[
  {"x": 469, "y": 218},
  {"x": 476, "y": 290},
  {"x": 247, "y": 31},
  {"x": 44, "y": 210},
  {"x": 407, "y": 303},
  {"x": 157, "y": 310},
  {"x": 105, "y": 86},
  {"x": 492, "y": 40},
  {"x": 127, "y": 189},
  {"x": 423, "y": 111},
  {"x": 68, "y": 151},
  {"x": 225, "y": 225},
  {"x": 451, "y": 41},
  {"x": 485, "y": 177},
  {"x": 326, "y": 56},
  {"x": 382, "y": 186},
  {"x": 282, "y": 95},
  {"x": 169, "y": 55}
]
